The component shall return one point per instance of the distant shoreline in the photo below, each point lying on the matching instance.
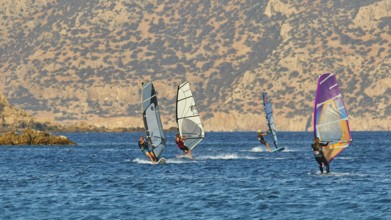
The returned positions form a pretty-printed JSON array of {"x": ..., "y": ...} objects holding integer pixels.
[
  {"x": 84, "y": 130},
  {"x": 138, "y": 129}
]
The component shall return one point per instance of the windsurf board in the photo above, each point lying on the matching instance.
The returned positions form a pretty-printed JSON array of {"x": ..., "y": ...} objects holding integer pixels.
[
  {"x": 278, "y": 149},
  {"x": 161, "y": 161}
]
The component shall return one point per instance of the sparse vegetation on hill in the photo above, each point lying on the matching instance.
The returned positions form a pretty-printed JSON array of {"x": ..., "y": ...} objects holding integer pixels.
[{"x": 73, "y": 61}]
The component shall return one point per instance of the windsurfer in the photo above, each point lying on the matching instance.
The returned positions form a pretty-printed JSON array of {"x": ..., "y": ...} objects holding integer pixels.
[
  {"x": 262, "y": 140},
  {"x": 144, "y": 147},
  {"x": 181, "y": 145},
  {"x": 319, "y": 156}
]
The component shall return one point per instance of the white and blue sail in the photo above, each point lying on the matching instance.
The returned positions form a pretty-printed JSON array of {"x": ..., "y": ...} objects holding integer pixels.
[
  {"x": 187, "y": 117},
  {"x": 151, "y": 117},
  {"x": 270, "y": 120}
]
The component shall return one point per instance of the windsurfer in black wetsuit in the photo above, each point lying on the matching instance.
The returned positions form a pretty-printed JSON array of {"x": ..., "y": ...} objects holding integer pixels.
[
  {"x": 144, "y": 147},
  {"x": 262, "y": 140},
  {"x": 319, "y": 156}
]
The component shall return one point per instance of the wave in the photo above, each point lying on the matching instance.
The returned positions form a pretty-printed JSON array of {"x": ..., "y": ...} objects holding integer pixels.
[
  {"x": 257, "y": 149},
  {"x": 273, "y": 158},
  {"x": 254, "y": 149},
  {"x": 344, "y": 158},
  {"x": 337, "y": 174},
  {"x": 226, "y": 157},
  {"x": 179, "y": 161},
  {"x": 289, "y": 149},
  {"x": 142, "y": 161},
  {"x": 168, "y": 161}
]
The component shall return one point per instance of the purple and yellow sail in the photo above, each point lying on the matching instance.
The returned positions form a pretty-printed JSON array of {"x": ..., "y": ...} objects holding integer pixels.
[{"x": 331, "y": 117}]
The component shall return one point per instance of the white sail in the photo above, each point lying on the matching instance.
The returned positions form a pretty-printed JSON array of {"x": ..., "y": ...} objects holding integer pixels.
[{"x": 187, "y": 117}]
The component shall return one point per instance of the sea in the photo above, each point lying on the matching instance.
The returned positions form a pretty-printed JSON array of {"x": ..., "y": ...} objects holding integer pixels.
[{"x": 106, "y": 176}]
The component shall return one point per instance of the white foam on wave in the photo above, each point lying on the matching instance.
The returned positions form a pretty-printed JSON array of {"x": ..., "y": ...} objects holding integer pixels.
[
  {"x": 178, "y": 161},
  {"x": 226, "y": 157},
  {"x": 142, "y": 161},
  {"x": 168, "y": 161},
  {"x": 336, "y": 174},
  {"x": 344, "y": 158},
  {"x": 273, "y": 158},
  {"x": 254, "y": 149},
  {"x": 289, "y": 149},
  {"x": 257, "y": 149}
]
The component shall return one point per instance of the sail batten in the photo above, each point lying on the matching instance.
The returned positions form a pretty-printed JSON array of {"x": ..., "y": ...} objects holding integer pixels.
[
  {"x": 187, "y": 117},
  {"x": 330, "y": 122},
  {"x": 333, "y": 86},
  {"x": 185, "y": 98},
  {"x": 337, "y": 96},
  {"x": 324, "y": 80},
  {"x": 151, "y": 117},
  {"x": 330, "y": 116},
  {"x": 269, "y": 118}
]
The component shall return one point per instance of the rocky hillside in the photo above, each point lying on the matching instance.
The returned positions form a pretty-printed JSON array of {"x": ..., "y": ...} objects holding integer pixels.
[
  {"x": 72, "y": 61},
  {"x": 11, "y": 117},
  {"x": 14, "y": 120}
]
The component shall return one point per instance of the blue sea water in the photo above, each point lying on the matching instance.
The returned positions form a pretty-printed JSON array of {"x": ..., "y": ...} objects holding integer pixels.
[{"x": 107, "y": 177}]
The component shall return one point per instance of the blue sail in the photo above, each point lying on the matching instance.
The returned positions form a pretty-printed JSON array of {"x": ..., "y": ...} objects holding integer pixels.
[
  {"x": 151, "y": 117},
  {"x": 269, "y": 118}
]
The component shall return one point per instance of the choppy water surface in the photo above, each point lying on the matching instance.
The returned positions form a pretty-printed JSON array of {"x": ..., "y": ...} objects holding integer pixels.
[{"x": 107, "y": 177}]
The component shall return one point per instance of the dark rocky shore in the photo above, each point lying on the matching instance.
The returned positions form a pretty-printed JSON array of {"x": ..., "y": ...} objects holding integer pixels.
[{"x": 33, "y": 137}]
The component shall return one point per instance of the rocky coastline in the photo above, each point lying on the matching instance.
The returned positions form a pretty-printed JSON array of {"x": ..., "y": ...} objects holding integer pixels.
[{"x": 33, "y": 137}]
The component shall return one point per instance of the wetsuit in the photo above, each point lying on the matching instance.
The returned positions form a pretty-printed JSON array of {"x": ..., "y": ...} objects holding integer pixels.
[
  {"x": 143, "y": 147},
  {"x": 182, "y": 146},
  {"x": 261, "y": 139},
  {"x": 319, "y": 157}
]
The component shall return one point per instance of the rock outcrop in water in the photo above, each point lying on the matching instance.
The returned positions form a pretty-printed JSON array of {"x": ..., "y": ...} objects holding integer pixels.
[{"x": 33, "y": 137}]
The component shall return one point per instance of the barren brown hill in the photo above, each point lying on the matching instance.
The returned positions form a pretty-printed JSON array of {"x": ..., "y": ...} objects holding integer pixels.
[{"x": 83, "y": 60}]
